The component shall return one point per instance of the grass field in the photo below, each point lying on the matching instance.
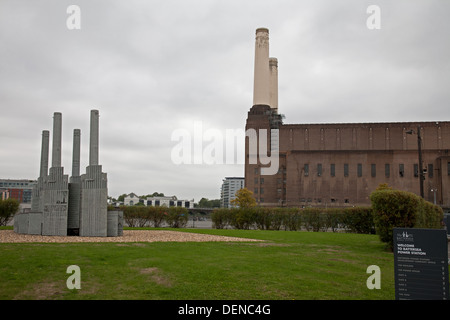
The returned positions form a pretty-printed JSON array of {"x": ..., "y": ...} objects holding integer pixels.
[{"x": 286, "y": 266}]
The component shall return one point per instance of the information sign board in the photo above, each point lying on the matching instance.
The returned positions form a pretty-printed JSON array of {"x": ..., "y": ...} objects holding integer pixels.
[{"x": 421, "y": 264}]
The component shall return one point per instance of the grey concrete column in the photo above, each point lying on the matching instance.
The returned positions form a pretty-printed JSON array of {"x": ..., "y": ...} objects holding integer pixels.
[
  {"x": 93, "y": 148},
  {"x": 44, "y": 153},
  {"x": 273, "y": 63},
  {"x": 57, "y": 133},
  {"x": 261, "y": 86},
  {"x": 76, "y": 152}
]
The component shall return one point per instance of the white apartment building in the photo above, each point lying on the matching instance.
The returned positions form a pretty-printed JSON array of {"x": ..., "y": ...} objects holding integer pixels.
[{"x": 228, "y": 191}]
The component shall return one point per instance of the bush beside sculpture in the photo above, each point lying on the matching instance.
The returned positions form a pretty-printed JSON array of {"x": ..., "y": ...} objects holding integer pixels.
[
  {"x": 143, "y": 216},
  {"x": 8, "y": 209}
]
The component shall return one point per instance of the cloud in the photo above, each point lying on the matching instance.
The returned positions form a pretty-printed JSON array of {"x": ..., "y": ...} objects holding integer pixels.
[{"x": 153, "y": 67}]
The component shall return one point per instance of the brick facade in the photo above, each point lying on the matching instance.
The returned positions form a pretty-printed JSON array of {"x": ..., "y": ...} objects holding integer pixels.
[{"x": 341, "y": 164}]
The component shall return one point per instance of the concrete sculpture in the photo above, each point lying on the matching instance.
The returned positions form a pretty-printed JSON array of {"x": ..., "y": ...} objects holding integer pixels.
[{"x": 74, "y": 207}]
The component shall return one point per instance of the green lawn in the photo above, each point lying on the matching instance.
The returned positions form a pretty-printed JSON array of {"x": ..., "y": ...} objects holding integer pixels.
[{"x": 288, "y": 265}]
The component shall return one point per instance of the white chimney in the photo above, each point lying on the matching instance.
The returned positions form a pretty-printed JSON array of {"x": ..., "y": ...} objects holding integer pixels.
[
  {"x": 273, "y": 63},
  {"x": 261, "y": 86}
]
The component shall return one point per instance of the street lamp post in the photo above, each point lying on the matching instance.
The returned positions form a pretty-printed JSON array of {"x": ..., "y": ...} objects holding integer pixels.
[
  {"x": 419, "y": 144},
  {"x": 434, "y": 190}
]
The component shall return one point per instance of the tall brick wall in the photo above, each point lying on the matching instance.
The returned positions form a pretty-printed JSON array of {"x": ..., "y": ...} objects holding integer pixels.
[{"x": 361, "y": 156}]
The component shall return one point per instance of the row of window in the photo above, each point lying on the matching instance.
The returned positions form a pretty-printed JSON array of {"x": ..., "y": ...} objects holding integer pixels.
[
  {"x": 14, "y": 184},
  {"x": 158, "y": 203},
  {"x": 373, "y": 170},
  {"x": 359, "y": 170},
  {"x": 261, "y": 191}
]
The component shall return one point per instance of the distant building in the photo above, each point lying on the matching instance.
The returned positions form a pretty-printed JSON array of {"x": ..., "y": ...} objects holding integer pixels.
[
  {"x": 132, "y": 199},
  {"x": 4, "y": 194},
  {"x": 169, "y": 202},
  {"x": 20, "y": 190},
  {"x": 228, "y": 191}
]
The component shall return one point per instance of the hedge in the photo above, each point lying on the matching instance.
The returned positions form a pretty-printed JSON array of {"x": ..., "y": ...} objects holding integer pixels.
[
  {"x": 142, "y": 216},
  {"x": 356, "y": 220},
  {"x": 401, "y": 209}
]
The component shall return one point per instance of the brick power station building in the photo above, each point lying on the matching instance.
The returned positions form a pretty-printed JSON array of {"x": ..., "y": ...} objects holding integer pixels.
[{"x": 339, "y": 164}]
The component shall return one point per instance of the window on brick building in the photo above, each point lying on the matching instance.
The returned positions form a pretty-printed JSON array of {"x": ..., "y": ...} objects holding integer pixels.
[
  {"x": 373, "y": 170},
  {"x": 346, "y": 170},
  {"x": 333, "y": 170},
  {"x": 359, "y": 170},
  {"x": 401, "y": 170},
  {"x": 319, "y": 170},
  {"x": 430, "y": 170},
  {"x": 306, "y": 170},
  {"x": 387, "y": 170},
  {"x": 416, "y": 170}
]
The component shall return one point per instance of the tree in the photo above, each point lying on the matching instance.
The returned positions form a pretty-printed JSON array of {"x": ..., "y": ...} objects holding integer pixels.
[
  {"x": 206, "y": 203},
  {"x": 121, "y": 198},
  {"x": 8, "y": 209},
  {"x": 244, "y": 199},
  {"x": 157, "y": 194}
]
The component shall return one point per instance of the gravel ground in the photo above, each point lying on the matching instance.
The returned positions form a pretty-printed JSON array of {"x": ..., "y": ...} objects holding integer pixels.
[{"x": 9, "y": 236}]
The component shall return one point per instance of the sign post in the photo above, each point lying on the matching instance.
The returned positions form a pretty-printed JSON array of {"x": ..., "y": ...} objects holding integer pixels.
[{"x": 421, "y": 264}]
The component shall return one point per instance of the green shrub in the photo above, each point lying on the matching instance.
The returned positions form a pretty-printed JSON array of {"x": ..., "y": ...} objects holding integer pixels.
[
  {"x": 401, "y": 209},
  {"x": 177, "y": 217},
  {"x": 333, "y": 218},
  {"x": 156, "y": 215},
  {"x": 131, "y": 215},
  {"x": 8, "y": 209},
  {"x": 220, "y": 218},
  {"x": 262, "y": 218},
  {"x": 314, "y": 219},
  {"x": 142, "y": 216},
  {"x": 266, "y": 218},
  {"x": 429, "y": 216},
  {"x": 358, "y": 220},
  {"x": 242, "y": 218},
  {"x": 277, "y": 219}
]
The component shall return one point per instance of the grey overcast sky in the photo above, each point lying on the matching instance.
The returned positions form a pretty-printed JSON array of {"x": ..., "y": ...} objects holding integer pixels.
[{"x": 152, "y": 67}]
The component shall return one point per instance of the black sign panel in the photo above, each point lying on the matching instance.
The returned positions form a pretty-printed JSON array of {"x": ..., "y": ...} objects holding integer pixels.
[
  {"x": 421, "y": 264},
  {"x": 447, "y": 222}
]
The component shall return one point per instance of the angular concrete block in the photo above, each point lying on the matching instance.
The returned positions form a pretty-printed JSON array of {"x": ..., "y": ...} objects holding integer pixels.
[
  {"x": 73, "y": 220},
  {"x": 35, "y": 223},
  {"x": 22, "y": 223},
  {"x": 55, "y": 201},
  {"x": 113, "y": 223},
  {"x": 94, "y": 211},
  {"x": 120, "y": 224}
]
